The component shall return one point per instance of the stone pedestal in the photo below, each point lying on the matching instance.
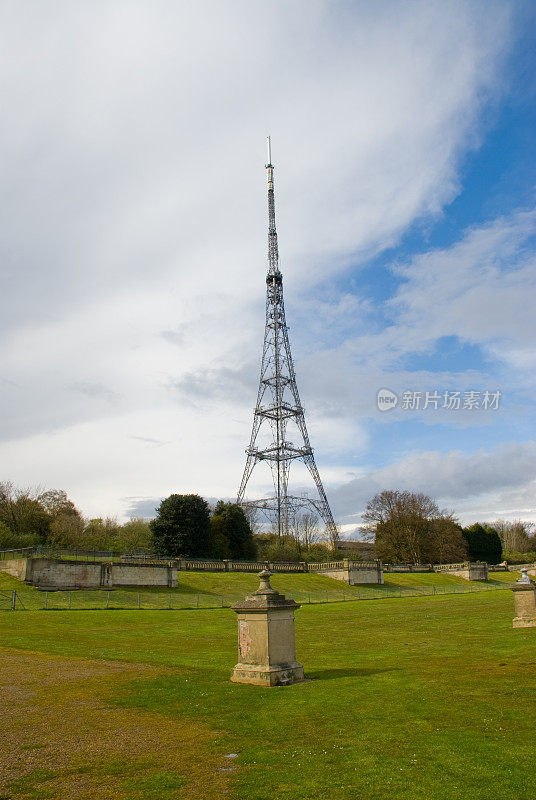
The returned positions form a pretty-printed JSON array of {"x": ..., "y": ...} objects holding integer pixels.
[
  {"x": 525, "y": 602},
  {"x": 266, "y": 649}
]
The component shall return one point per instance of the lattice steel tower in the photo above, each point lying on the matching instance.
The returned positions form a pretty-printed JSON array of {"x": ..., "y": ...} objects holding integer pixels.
[{"x": 278, "y": 403}]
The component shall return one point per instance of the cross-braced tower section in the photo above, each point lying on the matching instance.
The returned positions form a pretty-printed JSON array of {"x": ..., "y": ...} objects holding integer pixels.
[{"x": 279, "y": 411}]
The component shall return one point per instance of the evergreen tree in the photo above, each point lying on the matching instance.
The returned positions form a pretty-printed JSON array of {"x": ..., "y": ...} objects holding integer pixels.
[
  {"x": 182, "y": 526},
  {"x": 483, "y": 543},
  {"x": 229, "y": 523},
  {"x": 219, "y": 543}
]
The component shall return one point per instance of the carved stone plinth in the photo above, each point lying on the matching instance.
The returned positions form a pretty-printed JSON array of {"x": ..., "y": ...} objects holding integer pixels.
[
  {"x": 266, "y": 645},
  {"x": 525, "y": 602}
]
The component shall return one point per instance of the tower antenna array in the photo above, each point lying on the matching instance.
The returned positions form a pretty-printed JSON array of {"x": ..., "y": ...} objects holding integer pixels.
[{"x": 279, "y": 407}]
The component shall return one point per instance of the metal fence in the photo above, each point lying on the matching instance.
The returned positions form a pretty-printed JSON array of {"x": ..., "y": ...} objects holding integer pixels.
[
  {"x": 58, "y": 552},
  {"x": 17, "y": 552},
  {"x": 29, "y": 599}
]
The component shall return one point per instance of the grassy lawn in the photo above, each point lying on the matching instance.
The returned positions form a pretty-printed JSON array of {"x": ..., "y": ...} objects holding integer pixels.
[
  {"x": 426, "y": 697},
  {"x": 217, "y": 589}
]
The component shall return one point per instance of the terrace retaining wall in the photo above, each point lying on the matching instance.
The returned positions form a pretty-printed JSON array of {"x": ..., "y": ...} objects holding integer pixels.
[
  {"x": 471, "y": 571},
  {"x": 48, "y": 572},
  {"x": 16, "y": 567},
  {"x": 52, "y": 573}
]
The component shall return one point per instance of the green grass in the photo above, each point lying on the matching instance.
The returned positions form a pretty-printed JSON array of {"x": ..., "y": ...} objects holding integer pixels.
[
  {"x": 221, "y": 589},
  {"x": 420, "y": 698}
]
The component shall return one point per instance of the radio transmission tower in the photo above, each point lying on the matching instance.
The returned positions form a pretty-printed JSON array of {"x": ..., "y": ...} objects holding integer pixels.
[{"x": 279, "y": 408}]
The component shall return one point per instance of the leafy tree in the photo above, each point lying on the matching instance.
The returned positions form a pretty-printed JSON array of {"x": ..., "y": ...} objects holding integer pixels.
[
  {"x": 67, "y": 524},
  {"x": 516, "y": 557},
  {"x": 100, "y": 534},
  {"x": 272, "y": 547},
  {"x": 8, "y": 539},
  {"x": 22, "y": 512},
  {"x": 483, "y": 543},
  {"x": 67, "y": 530},
  {"x": 56, "y": 503},
  {"x": 229, "y": 523},
  {"x": 182, "y": 526},
  {"x": 135, "y": 534},
  {"x": 6, "y": 535},
  {"x": 400, "y": 522},
  {"x": 409, "y": 527},
  {"x": 448, "y": 543}
]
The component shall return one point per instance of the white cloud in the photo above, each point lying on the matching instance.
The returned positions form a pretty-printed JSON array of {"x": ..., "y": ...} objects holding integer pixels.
[
  {"x": 133, "y": 240},
  {"x": 481, "y": 290},
  {"x": 476, "y": 483},
  {"x": 484, "y": 288}
]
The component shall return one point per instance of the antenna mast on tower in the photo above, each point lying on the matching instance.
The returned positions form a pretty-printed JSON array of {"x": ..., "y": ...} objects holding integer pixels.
[{"x": 278, "y": 405}]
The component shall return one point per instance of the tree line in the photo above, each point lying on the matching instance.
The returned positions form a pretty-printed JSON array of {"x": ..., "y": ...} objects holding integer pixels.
[
  {"x": 406, "y": 527},
  {"x": 409, "y": 527},
  {"x": 184, "y": 525}
]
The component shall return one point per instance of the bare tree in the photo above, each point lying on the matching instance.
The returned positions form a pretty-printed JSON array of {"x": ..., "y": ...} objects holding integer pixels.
[
  {"x": 252, "y": 516},
  {"x": 304, "y": 528},
  {"x": 514, "y": 535}
]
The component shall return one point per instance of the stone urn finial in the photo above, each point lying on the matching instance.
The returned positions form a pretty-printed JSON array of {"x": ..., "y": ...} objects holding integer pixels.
[{"x": 264, "y": 586}]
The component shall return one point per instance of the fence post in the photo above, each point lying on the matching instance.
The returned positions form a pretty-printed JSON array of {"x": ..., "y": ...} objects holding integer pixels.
[
  {"x": 138, "y": 599},
  {"x": 107, "y": 599},
  {"x": 197, "y": 601},
  {"x": 169, "y": 600},
  {"x": 14, "y": 600}
]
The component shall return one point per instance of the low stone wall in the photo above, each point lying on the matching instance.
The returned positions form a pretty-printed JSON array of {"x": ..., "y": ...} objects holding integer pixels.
[
  {"x": 351, "y": 572},
  {"x": 471, "y": 571},
  {"x": 408, "y": 568},
  {"x": 477, "y": 571},
  {"x": 141, "y": 575},
  {"x": 52, "y": 573},
  {"x": 58, "y": 573},
  {"x": 16, "y": 567}
]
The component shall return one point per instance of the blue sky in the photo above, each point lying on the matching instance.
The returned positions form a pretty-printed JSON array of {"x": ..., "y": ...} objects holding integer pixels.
[{"x": 134, "y": 245}]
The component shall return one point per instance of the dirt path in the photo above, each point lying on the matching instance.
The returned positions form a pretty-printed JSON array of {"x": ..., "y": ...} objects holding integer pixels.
[{"x": 59, "y": 738}]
